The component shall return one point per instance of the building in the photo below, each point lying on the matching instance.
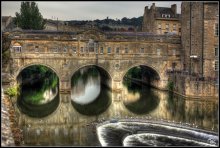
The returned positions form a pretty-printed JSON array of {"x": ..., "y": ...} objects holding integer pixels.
[
  {"x": 200, "y": 38},
  {"x": 53, "y": 25},
  {"x": 6, "y": 21},
  {"x": 161, "y": 20}
]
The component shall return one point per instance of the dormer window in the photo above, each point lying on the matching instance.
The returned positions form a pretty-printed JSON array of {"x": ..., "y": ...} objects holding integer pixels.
[{"x": 16, "y": 47}]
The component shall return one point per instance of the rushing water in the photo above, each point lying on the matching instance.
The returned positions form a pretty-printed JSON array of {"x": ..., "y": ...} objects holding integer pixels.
[{"x": 168, "y": 119}]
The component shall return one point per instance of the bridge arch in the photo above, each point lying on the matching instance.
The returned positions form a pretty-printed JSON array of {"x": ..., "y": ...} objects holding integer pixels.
[
  {"x": 54, "y": 103},
  {"x": 101, "y": 67},
  {"x": 142, "y": 64},
  {"x": 35, "y": 64}
]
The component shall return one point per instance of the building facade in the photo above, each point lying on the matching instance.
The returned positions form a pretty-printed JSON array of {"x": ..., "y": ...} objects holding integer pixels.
[
  {"x": 200, "y": 38},
  {"x": 161, "y": 20}
]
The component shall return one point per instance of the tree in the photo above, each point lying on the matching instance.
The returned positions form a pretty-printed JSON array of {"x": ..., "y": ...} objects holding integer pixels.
[{"x": 29, "y": 17}]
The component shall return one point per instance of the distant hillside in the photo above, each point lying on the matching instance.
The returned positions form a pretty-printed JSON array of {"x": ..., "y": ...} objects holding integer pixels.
[{"x": 109, "y": 24}]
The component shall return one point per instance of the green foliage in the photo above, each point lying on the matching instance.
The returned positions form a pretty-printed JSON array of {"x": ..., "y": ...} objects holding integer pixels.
[
  {"x": 134, "y": 73},
  {"x": 29, "y": 17},
  {"x": 40, "y": 78},
  {"x": 170, "y": 85},
  {"x": 12, "y": 91},
  {"x": 54, "y": 82}
]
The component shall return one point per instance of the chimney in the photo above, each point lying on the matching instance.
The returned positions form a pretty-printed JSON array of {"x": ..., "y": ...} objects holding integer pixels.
[
  {"x": 146, "y": 8},
  {"x": 153, "y": 6},
  {"x": 173, "y": 8}
]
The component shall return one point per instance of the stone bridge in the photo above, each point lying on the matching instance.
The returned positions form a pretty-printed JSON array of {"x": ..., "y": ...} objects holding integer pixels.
[{"x": 113, "y": 52}]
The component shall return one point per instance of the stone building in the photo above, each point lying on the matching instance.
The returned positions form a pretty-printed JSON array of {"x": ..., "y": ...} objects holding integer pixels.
[
  {"x": 6, "y": 22},
  {"x": 200, "y": 38},
  {"x": 52, "y": 25},
  {"x": 161, "y": 20}
]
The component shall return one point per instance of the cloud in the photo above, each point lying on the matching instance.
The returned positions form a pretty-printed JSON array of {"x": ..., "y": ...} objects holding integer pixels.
[{"x": 87, "y": 10}]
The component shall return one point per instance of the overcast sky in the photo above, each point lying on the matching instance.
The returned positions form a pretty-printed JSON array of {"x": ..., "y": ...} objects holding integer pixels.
[{"x": 88, "y": 10}]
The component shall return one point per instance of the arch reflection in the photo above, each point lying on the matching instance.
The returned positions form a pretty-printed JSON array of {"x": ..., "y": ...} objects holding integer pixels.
[
  {"x": 39, "y": 91},
  {"x": 89, "y": 95}
]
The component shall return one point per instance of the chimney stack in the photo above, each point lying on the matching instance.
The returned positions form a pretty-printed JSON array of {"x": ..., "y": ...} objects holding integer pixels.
[{"x": 173, "y": 8}]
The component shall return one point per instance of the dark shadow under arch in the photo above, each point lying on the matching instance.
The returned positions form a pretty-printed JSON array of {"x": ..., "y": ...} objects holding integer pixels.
[{"x": 34, "y": 84}]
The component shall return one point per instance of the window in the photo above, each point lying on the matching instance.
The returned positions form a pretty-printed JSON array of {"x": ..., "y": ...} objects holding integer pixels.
[
  {"x": 17, "y": 48},
  {"x": 216, "y": 29},
  {"x": 109, "y": 49},
  {"x": 96, "y": 50},
  {"x": 55, "y": 50},
  {"x": 174, "y": 52},
  {"x": 117, "y": 50},
  {"x": 101, "y": 50},
  {"x": 81, "y": 50},
  {"x": 159, "y": 26},
  {"x": 158, "y": 51},
  {"x": 141, "y": 50},
  {"x": 36, "y": 49},
  {"x": 216, "y": 65},
  {"x": 126, "y": 50},
  {"x": 74, "y": 49},
  {"x": 216, "y": 51},
  {"x": 167, "y": 27},
  {"x": 174, "y": 26},
  {"x": 91, "y": 45},
  {"x": 64, "y": 49}
]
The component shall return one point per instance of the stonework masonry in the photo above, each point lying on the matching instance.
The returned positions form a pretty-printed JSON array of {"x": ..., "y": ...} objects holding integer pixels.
[
  {"x": 199, "y": 39},
  {"x": 114, "y": 53},
  {"x": 161, "y": 20}
]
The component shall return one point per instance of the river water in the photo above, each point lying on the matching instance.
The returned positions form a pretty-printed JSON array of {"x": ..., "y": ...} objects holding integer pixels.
[{"x": 70, "y": 119}]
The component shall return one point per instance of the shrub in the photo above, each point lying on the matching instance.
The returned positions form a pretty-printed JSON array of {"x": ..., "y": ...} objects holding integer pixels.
[{"x": 12, "y": 91}]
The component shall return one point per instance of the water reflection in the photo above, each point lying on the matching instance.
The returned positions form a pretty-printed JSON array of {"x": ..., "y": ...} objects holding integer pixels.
[
  {"x": 86, "y": 86},
  {"x": 138, "y": 98},
  {"x": 68, "y": 125},
  {"x": 39, "y": 93},
  {"x": 89, "y": 96}
]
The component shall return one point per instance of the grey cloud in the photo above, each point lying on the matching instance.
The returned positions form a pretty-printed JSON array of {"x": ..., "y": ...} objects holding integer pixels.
[{"x": 87, "y": 10}]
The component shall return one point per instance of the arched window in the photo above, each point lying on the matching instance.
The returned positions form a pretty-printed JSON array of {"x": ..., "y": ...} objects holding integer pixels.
[
  {"x": 16, "y": 47},
  {"x": 91, "y": 45}
]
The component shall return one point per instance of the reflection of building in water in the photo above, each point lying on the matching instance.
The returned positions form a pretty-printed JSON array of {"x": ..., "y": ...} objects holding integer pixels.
[
  {"x": 130, "y": 97},
  {"x": 49, "y": 95},
  {"x": 79, "y": 88},
  {"x": 201, "y": 113},
  {"x": 84, "y": 93}
]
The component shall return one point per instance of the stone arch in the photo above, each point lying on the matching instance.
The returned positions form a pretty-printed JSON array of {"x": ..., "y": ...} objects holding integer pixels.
[
  {"x": 141, "y": 64},
  {"x": 32, "y": 64},
  {"x": 75, "y": 70},
  {"x": 58, "y": 107}
]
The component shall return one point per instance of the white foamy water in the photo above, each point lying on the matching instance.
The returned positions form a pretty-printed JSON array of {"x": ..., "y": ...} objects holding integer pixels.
[
  {"x": 154, "y": 132},
  {"x": 152, "y": 139}
]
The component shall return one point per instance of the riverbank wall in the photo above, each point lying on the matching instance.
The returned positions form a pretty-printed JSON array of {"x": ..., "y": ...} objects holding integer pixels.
[
  {"x": 11, "y": 134},
  {"x": 193, "y": 87}
]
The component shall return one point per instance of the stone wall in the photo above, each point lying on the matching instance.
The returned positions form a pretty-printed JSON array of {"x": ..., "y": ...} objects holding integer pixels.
[
  {"x": 198, "y": 38},
  {"x": 193, "y": 87},
  {"x": 6, "y": 132}
]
